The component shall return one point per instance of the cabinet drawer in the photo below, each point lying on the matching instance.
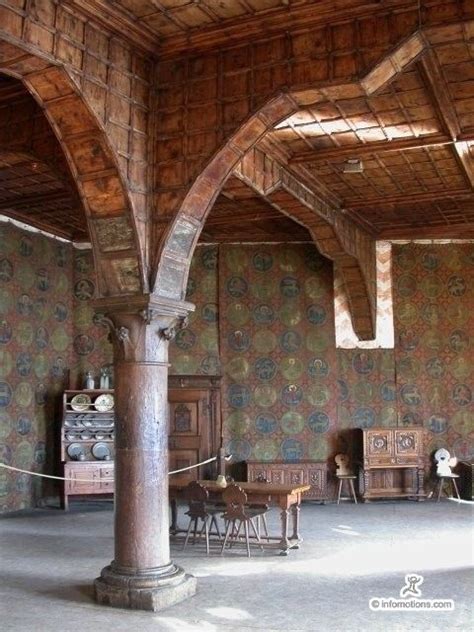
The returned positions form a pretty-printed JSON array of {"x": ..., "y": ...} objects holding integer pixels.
[
  {"x": 406, "y": 460},
  {"x": 380, "y": 461},
  {"x": 107, "y": 472},
  {"x": 107, "y": 486}
]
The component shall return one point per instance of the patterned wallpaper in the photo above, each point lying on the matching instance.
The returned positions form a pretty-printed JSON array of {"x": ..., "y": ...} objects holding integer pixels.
[
  {"x": 434, "y": 320},
  {"x": 35, "y": 351},
  {"x": 195, "y": 349},
  {"x": 367, "y": 390},
  {"x": 264, "y": 319},
  {"x": 277, "y": 351},
  {"x": 91, "y": 349}
]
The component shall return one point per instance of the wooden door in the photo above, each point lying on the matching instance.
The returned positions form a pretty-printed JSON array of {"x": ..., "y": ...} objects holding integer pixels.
[{"x": 189, "y": 432}]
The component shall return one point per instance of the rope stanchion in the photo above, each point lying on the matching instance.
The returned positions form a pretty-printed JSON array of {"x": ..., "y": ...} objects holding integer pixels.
[{"x": 90, "y": 480}]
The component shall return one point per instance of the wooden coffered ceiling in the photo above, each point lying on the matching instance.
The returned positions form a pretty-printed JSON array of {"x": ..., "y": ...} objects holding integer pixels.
[
  {"x": 415, "y": 141},
  {"x": 414, "y": 135},
  {"x": 240, "y": 215},
  {"x": 35, "y": 184}
]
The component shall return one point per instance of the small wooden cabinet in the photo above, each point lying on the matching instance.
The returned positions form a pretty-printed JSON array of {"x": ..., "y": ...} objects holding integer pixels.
[
  {"x": 87, "y": 443},
  {"x": 312, "y": 473},
  {"x": 393, "y": 463}
]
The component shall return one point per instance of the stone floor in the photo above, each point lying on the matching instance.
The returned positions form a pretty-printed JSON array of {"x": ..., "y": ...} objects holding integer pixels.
[{"x": 351, "y": 553}]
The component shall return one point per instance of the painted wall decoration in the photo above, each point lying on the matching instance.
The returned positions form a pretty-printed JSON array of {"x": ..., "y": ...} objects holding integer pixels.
[
  {"x": 277, "y": 350},
  {"x": 367, "y": 388},
  {"x": 434, "y": 320},
  {"x": 91, "y": 348},
  {"x": 35, "y": 352},
  {"x": 195, "y": 349},
  {"x": 264, "y": 319}
]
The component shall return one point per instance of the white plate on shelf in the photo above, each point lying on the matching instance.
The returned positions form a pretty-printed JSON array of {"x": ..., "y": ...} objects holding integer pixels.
[
  {"x": 76, "y": 451},
  {"x": 80, "y": 402},
  {"x": 104, "y": 402},
  {"x": 101, "y": 451}
]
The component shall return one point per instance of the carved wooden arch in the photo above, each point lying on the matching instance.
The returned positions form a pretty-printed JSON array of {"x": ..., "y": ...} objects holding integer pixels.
[
  {"x": 178, "y": 244},
  {"x": 93, "y": 165}
]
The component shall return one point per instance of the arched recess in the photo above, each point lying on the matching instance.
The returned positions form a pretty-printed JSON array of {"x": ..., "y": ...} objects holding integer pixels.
[
  {"x": 93, "y": 165},
  {"x": 178, "y": 244}
]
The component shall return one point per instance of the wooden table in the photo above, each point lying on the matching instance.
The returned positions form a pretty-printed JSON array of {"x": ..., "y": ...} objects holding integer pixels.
[{"x": 287, "y": 497}]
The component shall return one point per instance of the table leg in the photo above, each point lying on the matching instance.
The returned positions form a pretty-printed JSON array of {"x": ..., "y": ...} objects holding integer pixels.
[
  {"x": 295, "y": 510},
  {"x": 284, "y": 542}
]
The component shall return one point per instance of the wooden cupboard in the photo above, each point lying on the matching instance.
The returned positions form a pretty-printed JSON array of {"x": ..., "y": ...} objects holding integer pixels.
[
  {"x": 392, "y": 463},
  {"x": 87, "y": 435},
  {"x": 87, "y": 443},
  {"x": 194, "y": 424}
]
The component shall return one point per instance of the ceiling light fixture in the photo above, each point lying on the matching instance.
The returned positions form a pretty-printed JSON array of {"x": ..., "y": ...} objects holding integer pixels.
[{"x": 353, "y": 165}]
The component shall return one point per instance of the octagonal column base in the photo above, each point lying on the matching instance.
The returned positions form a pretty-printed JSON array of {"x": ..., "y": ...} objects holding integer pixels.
[{"x": 154, "y": 589}]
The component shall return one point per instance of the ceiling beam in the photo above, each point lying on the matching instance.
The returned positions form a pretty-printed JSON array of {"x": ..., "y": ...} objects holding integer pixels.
[
  {"x": 406, "y": 199},
  {"x": 377, "y": 147},
  {"x": 446, "y": 111},
  {"x": 275, "y": 20},
  {"x": 120, "y": 21},
  {"x": 445, "y": 231},
  {"x": 36, "y": 199},
  {"x": 66, "y": 231}
]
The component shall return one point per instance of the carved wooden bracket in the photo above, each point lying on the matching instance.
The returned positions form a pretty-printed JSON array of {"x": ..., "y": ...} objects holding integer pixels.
[
  {"x": 140, "y": 327},
  {"x": 169, "y": 333}
]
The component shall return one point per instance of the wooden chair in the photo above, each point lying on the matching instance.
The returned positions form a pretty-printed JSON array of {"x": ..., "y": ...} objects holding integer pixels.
[
  {"x": 344, "y": 473},
  {"x": 238, "y": 513},
  {"x": 199, "y": 509},
  {"x": 444, "y": 463}
]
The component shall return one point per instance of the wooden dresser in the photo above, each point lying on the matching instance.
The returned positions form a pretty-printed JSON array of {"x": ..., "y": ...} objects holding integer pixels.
[
  {"x": 392, "y": 463},
  {"x": 312, "y": 473},
  {"x": 87, "y": 443}
]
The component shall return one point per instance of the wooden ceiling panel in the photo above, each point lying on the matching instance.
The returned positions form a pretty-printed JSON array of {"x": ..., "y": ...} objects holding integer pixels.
[
  {"x": 403, "y": 110},
  {"x": 36, "y": 186},
  {"x": 448, "y": 219},
  {"x": 239, "y": 215},
  {"x": 414, "y": 138},
  {"x": 168, "y": 17}
]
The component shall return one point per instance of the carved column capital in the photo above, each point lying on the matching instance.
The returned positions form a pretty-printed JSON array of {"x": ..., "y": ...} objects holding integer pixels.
[{"x": 141, "y": 326}]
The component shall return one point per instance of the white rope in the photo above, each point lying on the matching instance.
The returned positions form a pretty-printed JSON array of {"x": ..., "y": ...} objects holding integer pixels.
[{"x": 91, "y": 480}]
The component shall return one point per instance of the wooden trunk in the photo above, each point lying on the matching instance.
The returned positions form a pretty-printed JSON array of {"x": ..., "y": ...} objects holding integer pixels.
[{"x": 302, "y": 473}]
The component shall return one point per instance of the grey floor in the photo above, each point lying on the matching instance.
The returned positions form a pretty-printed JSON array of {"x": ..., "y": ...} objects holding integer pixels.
[{"x": 351, "y": 554}]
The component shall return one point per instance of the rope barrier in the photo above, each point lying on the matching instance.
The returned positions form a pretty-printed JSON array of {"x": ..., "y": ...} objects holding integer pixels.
[{"x": 91, "y": 480}]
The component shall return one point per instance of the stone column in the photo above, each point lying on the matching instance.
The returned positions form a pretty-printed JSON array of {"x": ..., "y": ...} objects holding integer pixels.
[{"x": 142, "y": 575}]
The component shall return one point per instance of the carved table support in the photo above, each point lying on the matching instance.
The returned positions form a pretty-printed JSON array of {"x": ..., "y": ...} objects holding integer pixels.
[
  {"x": 142, "y": 575},
  {"x": 284, "y": 543},
  {"x": 295, "y": 509}
]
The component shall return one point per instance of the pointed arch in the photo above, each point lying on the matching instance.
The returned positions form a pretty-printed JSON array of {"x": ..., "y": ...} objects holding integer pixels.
[{"x": 94, "y": 167}]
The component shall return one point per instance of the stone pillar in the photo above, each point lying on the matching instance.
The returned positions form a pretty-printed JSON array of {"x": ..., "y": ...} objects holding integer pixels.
[{"x": 142, "y": 575}]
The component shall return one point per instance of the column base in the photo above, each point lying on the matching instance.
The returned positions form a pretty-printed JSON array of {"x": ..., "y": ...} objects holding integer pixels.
[{"x": 154, "y": 589}]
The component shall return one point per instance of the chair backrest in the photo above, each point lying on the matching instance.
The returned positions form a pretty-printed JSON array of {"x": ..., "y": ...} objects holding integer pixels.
[
  {"x": 197, "y": 496},
  {"x": 235, "y": 499},
  {"x": 444, "y": 462},
  {"x": 342, "y": 465}
]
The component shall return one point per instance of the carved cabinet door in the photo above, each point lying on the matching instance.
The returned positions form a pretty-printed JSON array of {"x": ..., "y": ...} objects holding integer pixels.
[{"x": 189, "y": 431}]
